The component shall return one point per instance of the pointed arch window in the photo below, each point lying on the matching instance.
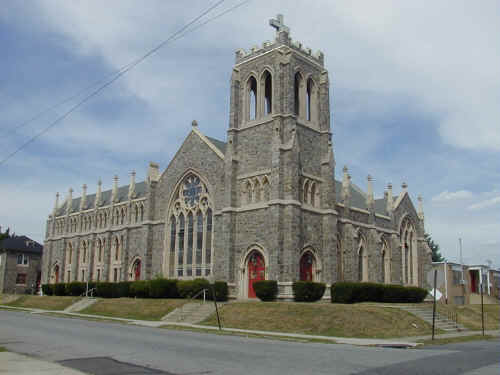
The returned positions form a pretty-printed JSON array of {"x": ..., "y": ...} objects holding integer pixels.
[
  {"x": 296, "y": 90},
  {"x": 252, "y": 98},
  {"x": 268, "y": 93},
  {"x": 310, "y": 100},
  {"x": 190, "y": 221}
]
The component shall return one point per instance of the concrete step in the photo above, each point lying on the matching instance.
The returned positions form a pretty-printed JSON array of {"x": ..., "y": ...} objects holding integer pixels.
[
  {"x": 192, "y": 312},
  {"x": 80, "y": 305}
]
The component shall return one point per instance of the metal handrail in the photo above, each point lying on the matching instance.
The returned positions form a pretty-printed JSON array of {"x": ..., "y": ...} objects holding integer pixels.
[{"x": 204, "y": 291}]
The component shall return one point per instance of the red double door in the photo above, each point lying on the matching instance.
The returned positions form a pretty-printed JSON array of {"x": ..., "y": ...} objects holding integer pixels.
[
  {"x": 256, "y": 271},
  {"x": 306, "y": 267}
]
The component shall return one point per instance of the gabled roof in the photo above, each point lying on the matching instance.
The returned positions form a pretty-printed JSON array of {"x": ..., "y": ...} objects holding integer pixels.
[
  {"x": 21, "y": 243},
  {"x": 122, "y": 196},
  {"x": 358, "y": 198},
  {"x": 219, "y": 144}
]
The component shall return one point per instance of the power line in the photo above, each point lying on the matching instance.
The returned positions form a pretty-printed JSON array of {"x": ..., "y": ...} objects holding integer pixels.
[{"x": 178, "y": 34}]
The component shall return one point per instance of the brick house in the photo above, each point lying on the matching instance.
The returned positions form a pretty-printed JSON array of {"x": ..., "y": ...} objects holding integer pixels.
[{"x": 20, "y": 265}]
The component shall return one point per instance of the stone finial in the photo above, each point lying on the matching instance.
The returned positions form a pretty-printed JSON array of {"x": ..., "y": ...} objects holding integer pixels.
[
  {"x": 98, "y": 195},
  {"x": 153, "y": 172},
  {"x": 369, "y": 191},
  {"x": 404, "y": 186},
  {"x": 131, "y": 188},
  {"x": 83, "y": 200},
  {"x": 114, "y": 192},
  {"x": 390, "y": 204},
  {"x": 56, "y": 204},
  {"x": 420, "y": 207},
  {"x": 69, "y": 200},
  {"x": 345, "y": 183},
  {"x": 194, "y": 124}
]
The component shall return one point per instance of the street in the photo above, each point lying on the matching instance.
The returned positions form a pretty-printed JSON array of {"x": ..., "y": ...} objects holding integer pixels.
[{"x": 112, "y": 348}]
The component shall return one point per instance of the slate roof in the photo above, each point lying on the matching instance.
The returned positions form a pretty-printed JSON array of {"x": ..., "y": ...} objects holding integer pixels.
[
  {"x": 358, "y": 198},
  {"x": 219, "y": 144},
  {"x": 122, "y": 196},
  {"x": 21, "y": 243}
]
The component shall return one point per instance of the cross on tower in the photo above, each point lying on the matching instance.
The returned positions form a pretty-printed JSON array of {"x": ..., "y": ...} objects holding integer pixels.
[{"x": 278, "y": 24}]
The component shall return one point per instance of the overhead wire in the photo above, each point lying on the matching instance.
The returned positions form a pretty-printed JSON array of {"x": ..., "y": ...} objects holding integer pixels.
[{"x": 177, "y": 35}]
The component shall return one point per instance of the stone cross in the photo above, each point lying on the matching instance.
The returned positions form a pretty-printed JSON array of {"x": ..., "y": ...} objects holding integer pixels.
[{"x": 278, "y": 24}]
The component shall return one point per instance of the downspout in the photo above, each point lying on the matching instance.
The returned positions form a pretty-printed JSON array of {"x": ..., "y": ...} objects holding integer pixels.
[{"x": 445, "y": 281}]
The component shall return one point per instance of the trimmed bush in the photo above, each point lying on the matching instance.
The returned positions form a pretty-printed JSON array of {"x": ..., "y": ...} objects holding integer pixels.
[
  {"x": 104, "y": 289},
  {"x": 75, "y": 288},
  {"x": 48, "y": 289},
  {"x": 266, "y": 290},
  {"x": 60, "y": 289},
  {"x": 308, "y": 291},
  {"x": 189, "y": 288},
  {"x": 139, "y": 289},
  {"x": 163, "y": 288},
  {"x": 351, "y": 292},
  {"x": 221, "y": 291}
]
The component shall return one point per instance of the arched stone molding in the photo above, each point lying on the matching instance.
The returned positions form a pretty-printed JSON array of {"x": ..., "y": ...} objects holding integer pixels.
[
  {"x": 55, "y": 273},
  {"x": 299, "y": 94},
  {"x": 186, "y": 212},
  {"x": 98, "y": 267},
  {"x": 251, "y": 85},
  {"x": 243, "y": 267},
  {"x": 317, "y": 265},
  {"x": 386, "y": 260},
  {"x": 409, "y": 250},
  {"x": 310, "y": 192},
  {"x": 266, "y": 92},
  {"x": 362, "y": 256},
  {"x": 131, "y": 268}
]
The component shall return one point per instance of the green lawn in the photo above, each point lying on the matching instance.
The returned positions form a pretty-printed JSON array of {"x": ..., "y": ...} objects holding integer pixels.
[
  {"x": 134, "y": 308},
  {"x": 470, "y": 315},
  {"x": 44, "y": 302},
  {"x": 357, "y": 320}
]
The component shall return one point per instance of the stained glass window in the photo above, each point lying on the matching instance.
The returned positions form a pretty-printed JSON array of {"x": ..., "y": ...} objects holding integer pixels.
[
  {"x": 189, "y": 254},
  {"x": 192, "y": 190},
  {"x": 180, "y": 254}
]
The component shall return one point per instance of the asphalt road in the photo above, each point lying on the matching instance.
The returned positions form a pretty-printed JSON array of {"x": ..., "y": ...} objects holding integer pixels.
[{"x": 103, "y": 348}]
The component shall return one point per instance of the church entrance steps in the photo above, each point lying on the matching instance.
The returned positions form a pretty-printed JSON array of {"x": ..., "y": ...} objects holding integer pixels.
[
  {"x": 192, "y": 312},
  {"x": 424, "y": 312},
  {"x": 80, "y": 305}
]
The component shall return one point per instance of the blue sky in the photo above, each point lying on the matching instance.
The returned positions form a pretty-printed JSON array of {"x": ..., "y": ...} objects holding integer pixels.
[{"x": 415, "y": 93}]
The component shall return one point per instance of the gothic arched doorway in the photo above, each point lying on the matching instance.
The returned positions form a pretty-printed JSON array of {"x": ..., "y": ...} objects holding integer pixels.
[
  {"x": 136, "y": 270},
  {"x": 56, "y": 273},
  {"x": 256, "y": 271},
  {"x": 306, "y": 267}
]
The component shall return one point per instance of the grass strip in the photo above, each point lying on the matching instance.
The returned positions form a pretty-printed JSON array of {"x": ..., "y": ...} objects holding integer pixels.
[
  {"x": 44, "y": 302},
  {"x": 453, "y": 340}
]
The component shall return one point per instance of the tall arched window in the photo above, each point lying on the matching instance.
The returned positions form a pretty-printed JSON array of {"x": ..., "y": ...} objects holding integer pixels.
[
  {"x": 84, "y": 255},
  {"x": 252, "y": 98},
  {"x": 296, "y": 89},
  {"x": 180, "y": 251},
  {"x": 199, "y": 242},
  {"x": 189, "y": 255},
  {"x": 117, "y": 249},
  {"x": 310, "y": 111},
  {"x": 190, "y": 210},
  {"x": 268, "y": 92},
  {"x": 172, "y": 234}
]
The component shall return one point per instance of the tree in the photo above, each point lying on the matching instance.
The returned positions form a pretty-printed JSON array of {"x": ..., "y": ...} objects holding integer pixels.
[
  {"x": 436, "y": 255},
  {"x": 5, "y": 234}
]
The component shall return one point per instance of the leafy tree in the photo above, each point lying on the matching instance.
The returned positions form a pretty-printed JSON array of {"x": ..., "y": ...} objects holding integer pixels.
[
  {"x": 5, "y": 234},
  {"x": 436, "y": 255}
]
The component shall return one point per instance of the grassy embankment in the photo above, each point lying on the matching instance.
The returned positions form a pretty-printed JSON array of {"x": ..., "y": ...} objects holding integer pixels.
[
  {"x": 134, "y": 308},
  {"x": 470, "y": 315},
  {"x": 357, "y": 320},
  {"x": 44, "y": 302}
]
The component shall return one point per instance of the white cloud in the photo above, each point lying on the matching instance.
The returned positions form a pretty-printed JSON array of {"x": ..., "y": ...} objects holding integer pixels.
[
  {"x": 485, "y": 204},
  {"x": 452, "y": 196}
]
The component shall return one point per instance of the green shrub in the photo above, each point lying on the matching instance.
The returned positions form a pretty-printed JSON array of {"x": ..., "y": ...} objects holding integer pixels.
[
  {"x": 189, "y": 288},
  {"x": 221, "y": 291},
  {"x": 75, "y": 288},
  {"x": 308, "y": 291},
  {"x": 266, "y": 290},
  {"x": 351, "y": 292},
  {"x": 104, "y": 289},
  {"x": 121, "y": 289},
  {"x": 48, "y": 289},
  {"x": 163, "y": 288},
  {"x": 139, "y": 289},
  {"x": 60, "y": 289}
]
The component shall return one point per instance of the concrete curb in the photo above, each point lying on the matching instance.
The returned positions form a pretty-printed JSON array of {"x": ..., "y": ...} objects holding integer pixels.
[{"x": 13, "y": 363}]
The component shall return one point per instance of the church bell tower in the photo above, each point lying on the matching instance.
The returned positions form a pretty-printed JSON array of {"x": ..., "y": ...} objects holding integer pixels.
[{"x": 279, "y": 189}]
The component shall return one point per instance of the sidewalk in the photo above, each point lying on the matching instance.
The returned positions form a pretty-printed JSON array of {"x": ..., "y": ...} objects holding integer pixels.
[
  {"x": 396, "y": 342},
  {"x": 13, "y": 363}
]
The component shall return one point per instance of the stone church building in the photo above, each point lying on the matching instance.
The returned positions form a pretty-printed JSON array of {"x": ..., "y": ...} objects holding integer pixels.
[{"x": 262, "y": 205}]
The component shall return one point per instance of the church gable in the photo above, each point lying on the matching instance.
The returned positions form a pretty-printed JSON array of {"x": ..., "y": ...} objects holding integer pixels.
[{"x": 198, "y": 155}]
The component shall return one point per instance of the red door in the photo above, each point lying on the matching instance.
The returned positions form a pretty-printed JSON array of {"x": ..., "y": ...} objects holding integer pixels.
[
  {"x": 256, "y": 271},
  {"x": 306, "y": 267},
  {"x": 57, "y": 274},
  {"x": 137, "y": 270}
]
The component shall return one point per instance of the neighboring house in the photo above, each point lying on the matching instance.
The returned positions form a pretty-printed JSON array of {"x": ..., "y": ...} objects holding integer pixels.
[
  {"x": 461, "y": 284},
  {"x": 262, "y": 205},
  {"x": 20, "y": 265}
]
